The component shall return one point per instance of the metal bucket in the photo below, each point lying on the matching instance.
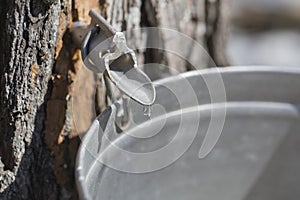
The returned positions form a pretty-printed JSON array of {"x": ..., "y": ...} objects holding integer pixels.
[{"x": 254, "y": 158}]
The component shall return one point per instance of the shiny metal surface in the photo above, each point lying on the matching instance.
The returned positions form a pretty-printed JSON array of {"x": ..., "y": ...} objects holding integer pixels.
[{"x": 255, "y": 157}]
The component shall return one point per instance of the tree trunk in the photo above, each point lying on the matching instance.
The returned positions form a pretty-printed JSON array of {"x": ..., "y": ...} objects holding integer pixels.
[{"x": 39, "y": 69}]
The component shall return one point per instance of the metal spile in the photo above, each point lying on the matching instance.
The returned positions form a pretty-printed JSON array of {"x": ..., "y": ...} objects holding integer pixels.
[{"x": 104, "y": 50}]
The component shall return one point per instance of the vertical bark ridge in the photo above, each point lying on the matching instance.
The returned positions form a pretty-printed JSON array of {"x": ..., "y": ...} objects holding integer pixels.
[{"x": 28, "y": 43}]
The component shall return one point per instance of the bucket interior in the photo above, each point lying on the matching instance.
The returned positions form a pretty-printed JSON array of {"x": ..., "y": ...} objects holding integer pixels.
[{"x": 256, "y": 154}]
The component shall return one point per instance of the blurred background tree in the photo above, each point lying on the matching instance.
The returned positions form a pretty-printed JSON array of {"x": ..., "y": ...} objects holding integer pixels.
[{"x": 264, "y": 32}]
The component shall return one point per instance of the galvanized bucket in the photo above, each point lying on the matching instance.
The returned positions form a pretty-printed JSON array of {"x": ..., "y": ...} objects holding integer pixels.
[{"x": 255, "y": 157}]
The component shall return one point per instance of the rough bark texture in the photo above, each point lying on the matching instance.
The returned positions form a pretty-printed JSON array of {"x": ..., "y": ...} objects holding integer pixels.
[
  {"x": 47, "y": 97},
  {"x": 29, "y": 33}
]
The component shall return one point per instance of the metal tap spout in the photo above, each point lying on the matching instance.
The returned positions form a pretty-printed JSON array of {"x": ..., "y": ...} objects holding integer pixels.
[{"x": 104, "y": 50}]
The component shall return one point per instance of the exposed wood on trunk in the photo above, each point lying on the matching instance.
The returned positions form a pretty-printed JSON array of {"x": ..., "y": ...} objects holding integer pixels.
[{"x": 61, "y": 134}]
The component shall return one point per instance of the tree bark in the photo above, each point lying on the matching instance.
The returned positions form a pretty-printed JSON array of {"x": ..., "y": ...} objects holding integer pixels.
[
  {"x": 29, "y": 34},
  {"x": 39, "y": 69}
]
